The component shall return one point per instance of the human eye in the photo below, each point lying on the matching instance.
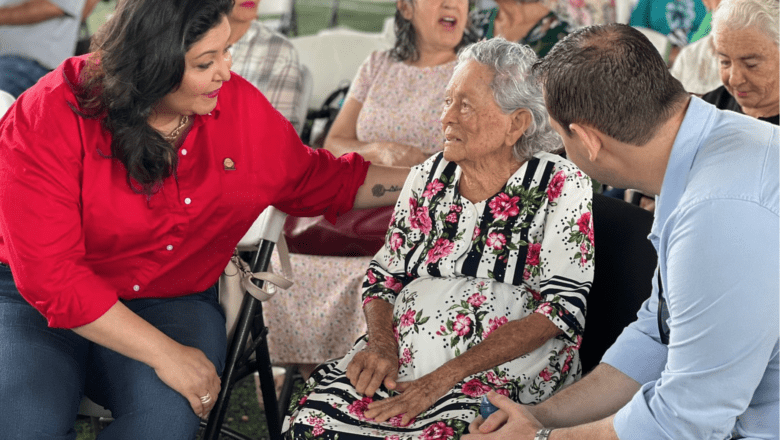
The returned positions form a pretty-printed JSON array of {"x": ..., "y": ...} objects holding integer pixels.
[{"x": 205, "y": 66}]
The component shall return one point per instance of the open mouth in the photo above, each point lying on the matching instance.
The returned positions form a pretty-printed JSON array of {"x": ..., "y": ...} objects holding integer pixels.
[{"x": 448, "y": 22}]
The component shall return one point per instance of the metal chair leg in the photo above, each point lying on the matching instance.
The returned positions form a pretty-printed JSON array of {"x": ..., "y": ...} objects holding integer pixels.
[{"x": 250, "y": 321}]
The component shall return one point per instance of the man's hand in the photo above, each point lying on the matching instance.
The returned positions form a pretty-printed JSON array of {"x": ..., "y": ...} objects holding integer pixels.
[
  {"x": 416, "y": 396},
  {"x": 375, "y": 365},
  {"x": 511, "y": 421}
]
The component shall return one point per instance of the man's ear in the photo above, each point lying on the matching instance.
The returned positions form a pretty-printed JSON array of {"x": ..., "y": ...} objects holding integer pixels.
[
  {"x": 405, "y": 8},
  {"x": 520, "y": 121},
  {"x": 590, "y": 139}
]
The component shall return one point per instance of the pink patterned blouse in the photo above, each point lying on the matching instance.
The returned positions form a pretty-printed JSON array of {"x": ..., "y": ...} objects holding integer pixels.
[{"x": 401, "y": 103}]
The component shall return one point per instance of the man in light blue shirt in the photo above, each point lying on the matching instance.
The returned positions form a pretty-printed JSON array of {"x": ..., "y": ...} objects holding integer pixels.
[{"x": 704, "y": 363}]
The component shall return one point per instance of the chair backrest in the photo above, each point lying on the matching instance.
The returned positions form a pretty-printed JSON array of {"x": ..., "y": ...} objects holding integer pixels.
[
  {"x": 305, "y": 97},
  {"x": 337, "y": 55},
  {"x": 625, "y": 261},
  {"x": 6, "y": 99}
]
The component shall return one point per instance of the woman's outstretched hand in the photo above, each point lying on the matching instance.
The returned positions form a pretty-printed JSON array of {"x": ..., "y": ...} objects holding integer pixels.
[
  {"x": 377, "y": 364},
  {"x": 416, "y": 396}
]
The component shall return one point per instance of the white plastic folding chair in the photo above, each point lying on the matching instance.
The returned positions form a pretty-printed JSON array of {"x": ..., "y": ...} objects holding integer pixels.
[
  {"x": 248, "y": 348},
  {"x": 6, "y": 99},
  {"x": 279, "y": 14}
]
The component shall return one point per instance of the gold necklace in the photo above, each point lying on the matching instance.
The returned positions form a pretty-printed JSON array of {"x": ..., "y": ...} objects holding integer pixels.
[{"x": 173, "y": 135}]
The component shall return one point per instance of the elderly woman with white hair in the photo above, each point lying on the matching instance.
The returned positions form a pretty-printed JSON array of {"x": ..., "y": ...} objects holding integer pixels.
[
  {"x": 746, "y": 36},
  {"x": 482, "y": 282}
]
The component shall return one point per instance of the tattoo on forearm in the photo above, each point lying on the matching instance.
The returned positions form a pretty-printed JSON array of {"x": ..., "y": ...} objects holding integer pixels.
[{"x": 379, "y": 190}]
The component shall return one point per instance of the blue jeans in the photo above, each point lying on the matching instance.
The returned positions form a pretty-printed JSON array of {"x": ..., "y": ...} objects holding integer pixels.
[
  {"x": 44, "y": 371},
  {"x": 18, "y": 74}
]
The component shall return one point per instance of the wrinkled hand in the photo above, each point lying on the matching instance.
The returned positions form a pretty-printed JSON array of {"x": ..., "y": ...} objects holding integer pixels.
[
  {"x": 372, "y": 367},
  {"x": 188, "y": 371},
  {"x": 511, "y": 421},
  {"x": 393, "y": 154},
  {"x": 416, "y": 396}
]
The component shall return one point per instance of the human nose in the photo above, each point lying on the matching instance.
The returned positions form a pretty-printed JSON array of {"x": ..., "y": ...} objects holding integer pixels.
[
  {"x": 223, "y": 71},
  {"x": 447, "y": 115},
  {"x": 735, "y": 75}
]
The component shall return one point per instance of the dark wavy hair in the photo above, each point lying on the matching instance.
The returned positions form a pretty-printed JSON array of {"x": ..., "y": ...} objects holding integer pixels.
[
  {"x": 138, "y": 58},
  {"x": 405, "y": 39}
]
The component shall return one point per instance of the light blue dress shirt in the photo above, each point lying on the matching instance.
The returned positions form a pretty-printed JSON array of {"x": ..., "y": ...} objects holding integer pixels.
[{"x": 716, "y": 232}]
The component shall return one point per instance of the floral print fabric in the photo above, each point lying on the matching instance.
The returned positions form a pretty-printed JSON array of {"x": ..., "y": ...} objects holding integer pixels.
[
  {"x": 541, "y": 38},
  {"x": 455, "y": 271}
]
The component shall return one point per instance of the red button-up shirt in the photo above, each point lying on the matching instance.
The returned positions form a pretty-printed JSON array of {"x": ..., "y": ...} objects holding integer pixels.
[{"x": 77, "y": 237}]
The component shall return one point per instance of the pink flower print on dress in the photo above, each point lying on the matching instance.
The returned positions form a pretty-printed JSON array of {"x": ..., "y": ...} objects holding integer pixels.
[
  {"x": 566, "y": 364},
  {"x": 393, "y": 284},
  {"x": 535, "y": 294},
  {"x": 496, "y": 240},
  {"x": 359, "y": 407},
  {"x": 532, "y": 258},
  {"x": 544, "y": 309},
  {"x": 452, "y": 217},
  {"x": 371, "y": 277},
  {"x": 493, "y": 378},
  {"x": 317, "y": 430},
  {"x": 493, "y": 324},
  {"x": 432, "y": 188},
  {"x": 502, "y": 207},
  {"x": 392, "y": 437},
  {"x": 583, "y": 254},
  {"x": 585, "y": 224},
  {"x": 476, "y": 299},
  {"x": 396, "y": 241},
  {"x": 406, "y": 357},
  {"x": 462, "y": 325},
  {"x": 526, "y": 273},
  {"x": 303, "y": 400},
  {"x": 546, "y": 375},
  {"x": 407, "y": 319},
  {"x": 556, "y": 186},
  {"x": 477, "y": 231},
  {"x": 419, "y": 219},
  {"x": 475, "y": 388},
  {"x": 441, "y": 248},
  {"x": 437, "y": 431},
  {"x": 502, "y": 391},
  {"x": 455, "y": 208}
]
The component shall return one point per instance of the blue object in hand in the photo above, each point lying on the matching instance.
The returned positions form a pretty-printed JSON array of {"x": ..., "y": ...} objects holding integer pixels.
[{"x": 486, "y": 408}]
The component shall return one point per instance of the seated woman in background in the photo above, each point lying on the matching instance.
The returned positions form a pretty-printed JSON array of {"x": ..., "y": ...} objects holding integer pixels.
[
  {"x": 525, "y": 21},
  {"x": 391, "y": 117},
  {"x": 483, "y": 280},
  {"x": 268, "y": 60},
  {"x": 746, "y": 37}
]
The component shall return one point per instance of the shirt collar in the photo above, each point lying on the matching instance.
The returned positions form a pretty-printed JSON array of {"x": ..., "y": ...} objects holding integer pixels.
[{"x": 697, "y": 122}]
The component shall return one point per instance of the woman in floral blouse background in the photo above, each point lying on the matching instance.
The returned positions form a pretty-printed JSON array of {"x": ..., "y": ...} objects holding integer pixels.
[{"x": 481, "y": 284}]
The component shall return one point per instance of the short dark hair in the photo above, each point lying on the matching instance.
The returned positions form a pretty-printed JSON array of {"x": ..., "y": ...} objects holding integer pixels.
[
  {"x": 405, "y": 48},
  {"x": 611, "y": 78},
  {"x": 138, "y": 58}
]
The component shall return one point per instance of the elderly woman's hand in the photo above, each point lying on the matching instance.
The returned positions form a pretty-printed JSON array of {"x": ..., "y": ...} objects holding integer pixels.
[
  {"x": 377, "y": 364},
  {"x": 416, "y": 396},
  {"x": 393, "y": 154}
]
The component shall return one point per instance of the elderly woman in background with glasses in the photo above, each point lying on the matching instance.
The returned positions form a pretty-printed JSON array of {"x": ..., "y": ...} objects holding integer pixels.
[
  {"x": 746, "y": 37},
  {"x": 482, "y": 282},
  {"x": 525, "y": 21}
]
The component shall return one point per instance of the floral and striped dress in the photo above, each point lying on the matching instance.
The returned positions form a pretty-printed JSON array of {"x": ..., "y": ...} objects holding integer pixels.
[{"x": 455, "y": 271}]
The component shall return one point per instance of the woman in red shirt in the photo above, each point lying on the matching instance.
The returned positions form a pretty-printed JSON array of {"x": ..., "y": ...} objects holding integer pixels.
[{"x": 127, "y": 177}]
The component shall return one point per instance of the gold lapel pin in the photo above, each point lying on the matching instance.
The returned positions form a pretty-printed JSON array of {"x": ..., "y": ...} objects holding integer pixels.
[{"x": 229, "y": 164}]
